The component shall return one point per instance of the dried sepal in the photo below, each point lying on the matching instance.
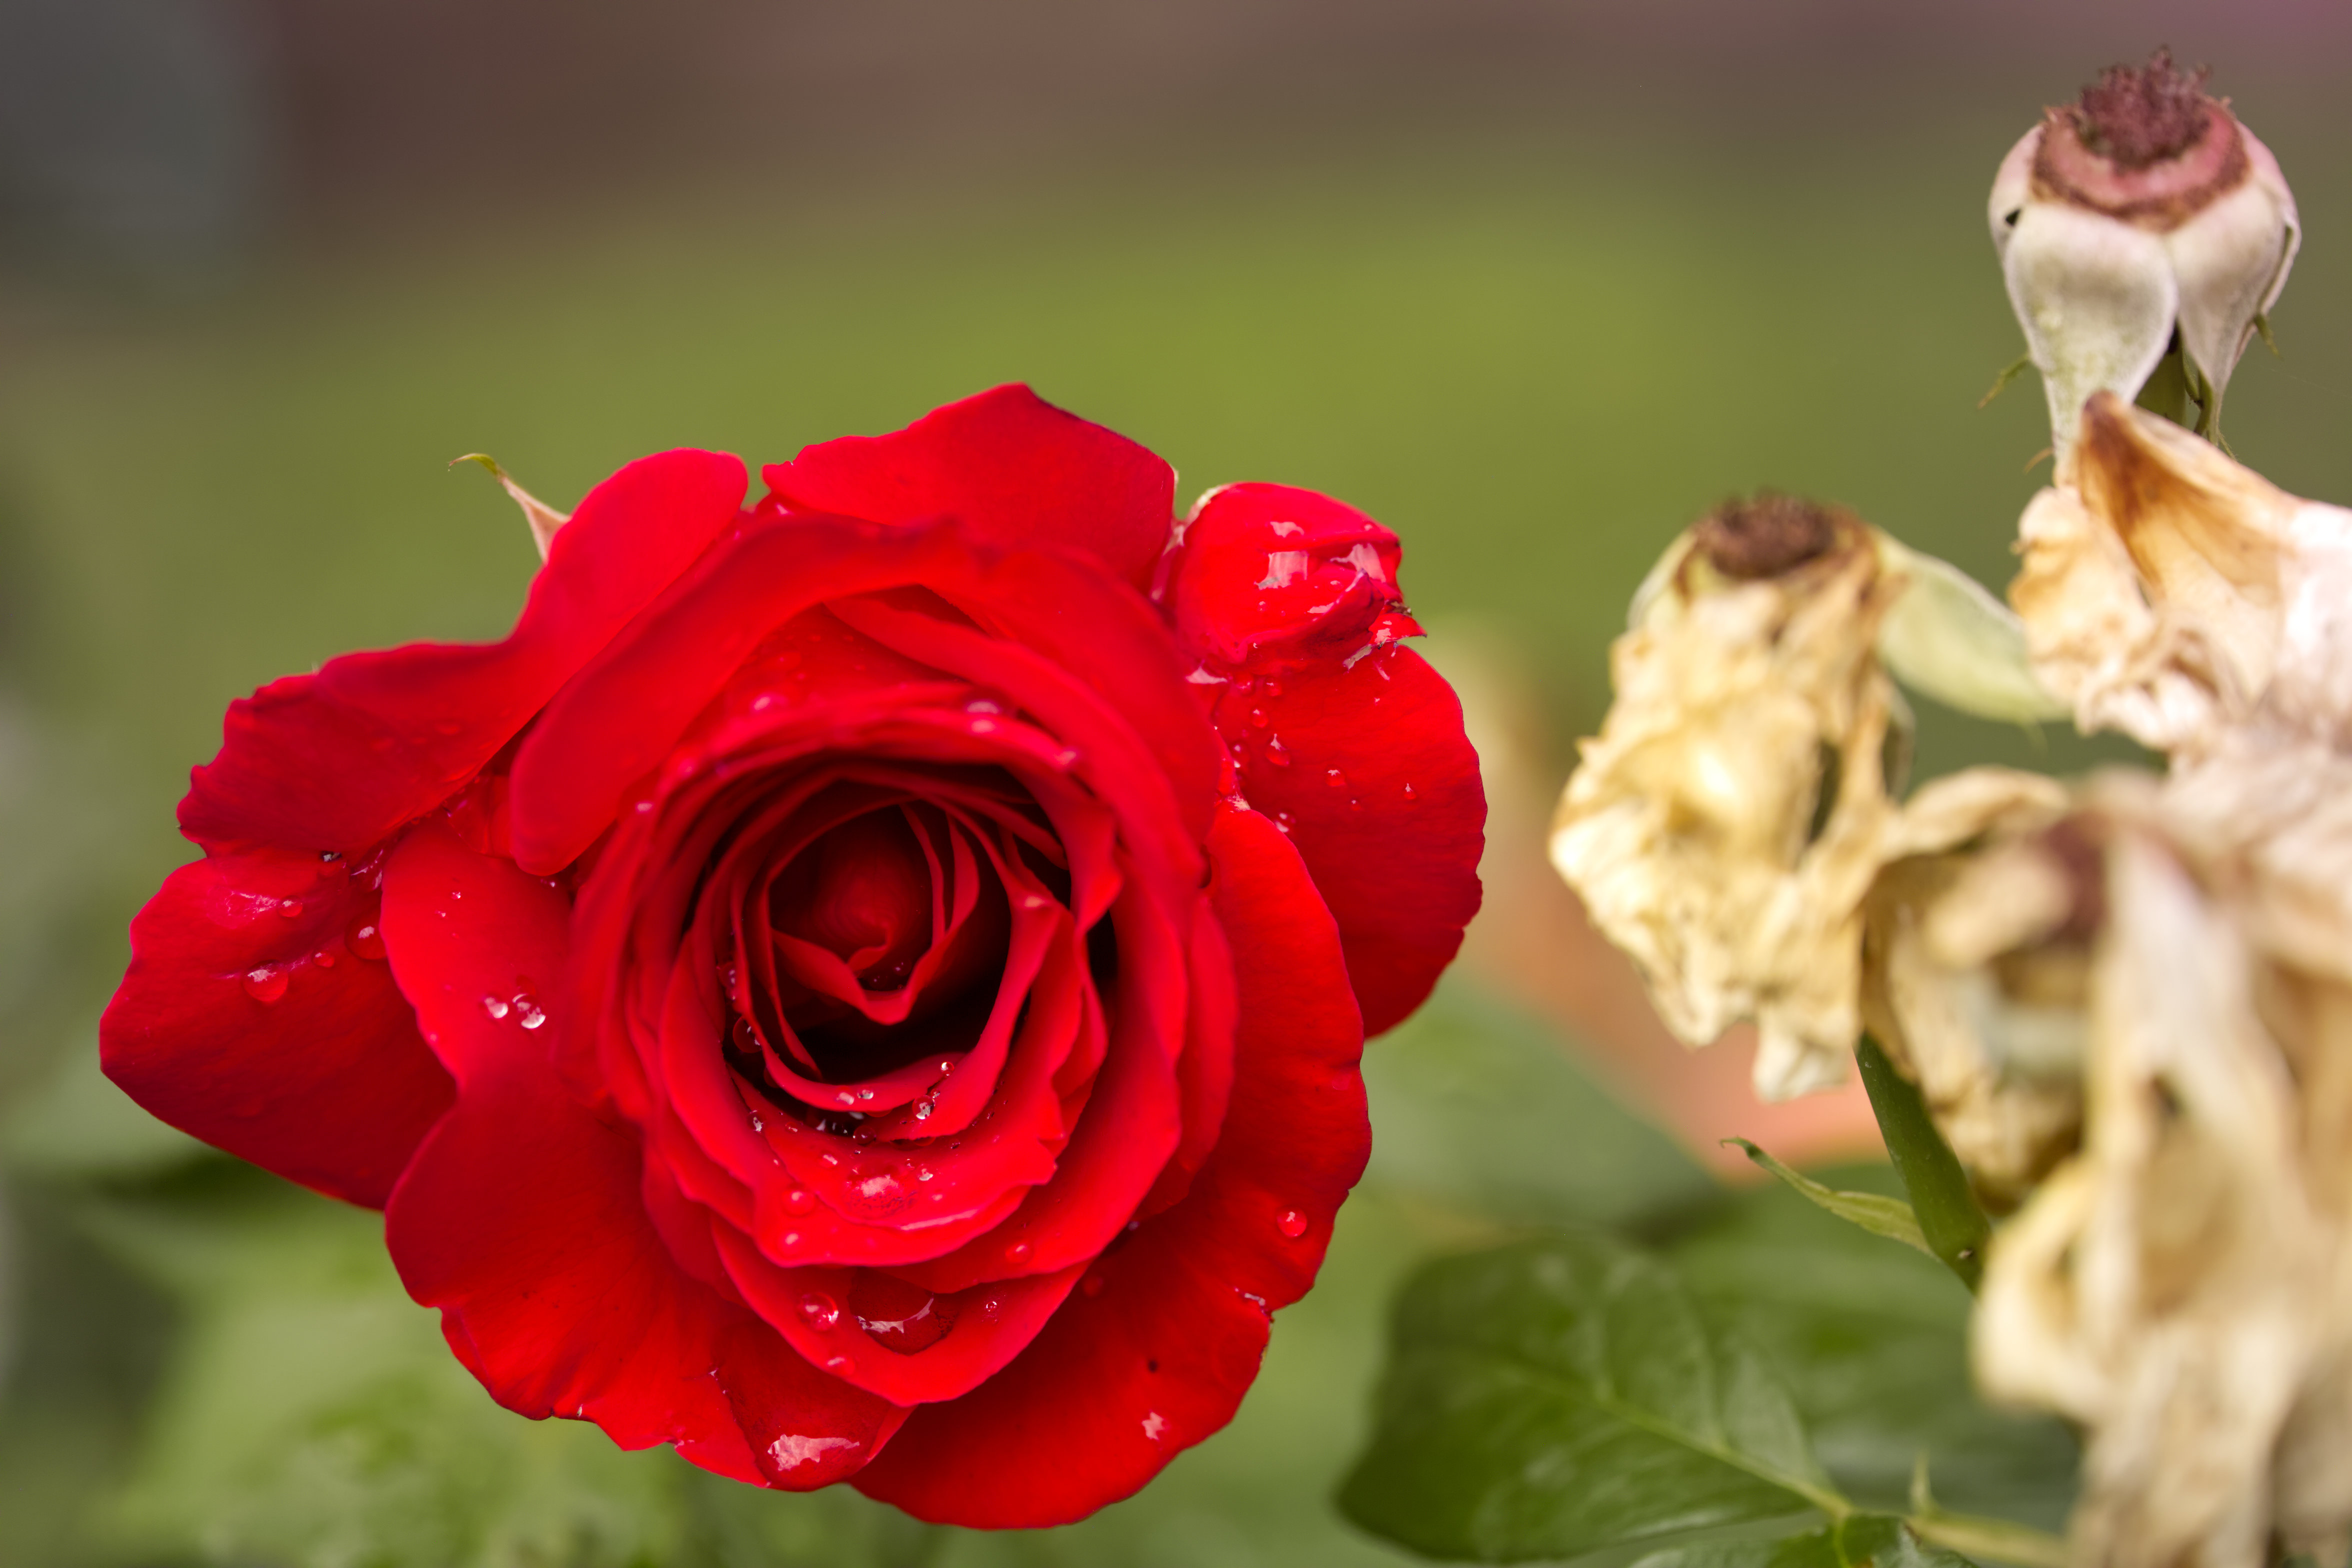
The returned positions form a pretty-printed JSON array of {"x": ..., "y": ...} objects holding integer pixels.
[
  {"x": 543, "y": 519},
  {"x": 2173, "y": 594},
  {"x": 1977, "y": 956},
  {"x": 1724, "y": 825}
]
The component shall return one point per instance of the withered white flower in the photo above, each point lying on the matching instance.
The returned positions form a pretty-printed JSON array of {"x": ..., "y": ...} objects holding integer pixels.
[
  {"x": 2171, "y": 592},
  {"x": 2180, "y": 1287},
  {"x": 1976, "y": 966},
  {"x": 2140, "y": 210},
  {"x": 1723, "y": 827}
]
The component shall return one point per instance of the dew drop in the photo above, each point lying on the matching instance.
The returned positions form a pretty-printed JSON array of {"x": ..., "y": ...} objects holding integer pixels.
[
  {"x": 875, "y": 1193},
  {"x": 329, "y": 857},
  {"x": 527, "y": 1011},
  {"x": 1285, "y": 821},
  {"x": 865, "y": 1094},
  {"x": 1271, "y": 686},
  {"x": 839, "y": 1364},
  {"x": 923, "y": 1108},
  {"x": 820, "y": 1310},
  {"x": 1257, "y": 719},
  {"x": 1067, "y": 757},
  {"x": 290, "y": 907},
  {"x": 495, "y": 1007},
  {"x": 1410, "y": 793},
  {"x": 1275, "y": 753},
  {"x": 800, "y": 1200},
  {"x": 1155, "y": 1425},
  {"x": 762, "y": 702},
  {"x": 644, "y": 807},
  {"x": 1291, "y": 1223},
  {"x": 924, "y": 1173},
  {"x": 982, "y": 726},
  {"x": 323, "y": 959},
  {"x": 1333, "y": 778},
  {"x": 1017, "y": 1252},
  {"x": 265, "y": 984}
]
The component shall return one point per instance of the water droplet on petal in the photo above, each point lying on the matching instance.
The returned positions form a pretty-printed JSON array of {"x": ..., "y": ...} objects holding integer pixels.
[
  {"x": 1017, "y": 1252},
  {"x": 365, "y": 939},
  {"x": 1270, "y": 685},
  {"x": 290, "y": 907},
  {"x": 1275, "y": 753},
  {"x": 820, "y": 1310},
  {"x": 327, "y": 857},
  {"x": 1257, "y": 719},
  {"x": 1334, "y": 778},
  {"x": 265, "y": 984},
  {"x": 1155, "y": 1425},
  {"x": 495, "y": 1007},
  {"x": 323, "y": 959},
  {"x": 1291, "y": 1223},
  {"x": 527, "y": 1011},
  {"x": 865, "y": 1094},
  {"x": 800, "y": 1200},
  {"x": 839, "y": 1364},
  {"x": 923, "y": 1108},
  {"x": 875, "y": 1193},
  {"x": 1410, "y": 793},
  {"x": 1067, "y": 757}
]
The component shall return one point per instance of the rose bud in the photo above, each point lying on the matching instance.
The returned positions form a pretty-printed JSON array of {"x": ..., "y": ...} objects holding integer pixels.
[
  {"x": 2173, "y": 594},
  {"x": 2139, "y": 218},
  {"x": 2182, "y": 1287},
  {"x": 1724, "y": 825},
  {"x": 816, "y": 995}
]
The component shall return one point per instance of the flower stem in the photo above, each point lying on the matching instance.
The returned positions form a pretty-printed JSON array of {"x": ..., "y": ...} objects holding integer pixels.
[
  {"x": 1995, "y": 1537},
  {"x": 1950, "y": 1217}
]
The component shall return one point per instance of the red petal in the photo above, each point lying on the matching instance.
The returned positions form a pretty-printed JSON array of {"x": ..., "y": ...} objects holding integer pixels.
[
  {"x": 246, "y": 1020},
  {"x": 521, "y": 1217},
  {"x": 1269, "y": 575},
  {"x": 1126, "y": 1376},
  {"x": 339, "y": 759},
  {"x": 1014, "y": 468},
  {"x": 1382, "y": 799}
]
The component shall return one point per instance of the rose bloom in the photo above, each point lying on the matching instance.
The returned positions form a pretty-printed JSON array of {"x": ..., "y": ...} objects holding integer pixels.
[{"x": 869, "y": 985}]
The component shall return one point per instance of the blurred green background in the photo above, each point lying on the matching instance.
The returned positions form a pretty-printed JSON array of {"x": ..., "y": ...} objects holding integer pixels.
[{"x": 1535, "y": 285}]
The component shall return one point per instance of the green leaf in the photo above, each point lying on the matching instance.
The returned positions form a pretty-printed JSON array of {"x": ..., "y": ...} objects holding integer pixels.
[
  {"x": 1872, "y": 1342},
  {"x": 1860, "y": 1541},
  {"x": 312, "y": 1415},
  {"x": 1874, "y": 1212},
  {"x": 1563, "y": 1395},
  {"x": 1950, "y": 1218}
]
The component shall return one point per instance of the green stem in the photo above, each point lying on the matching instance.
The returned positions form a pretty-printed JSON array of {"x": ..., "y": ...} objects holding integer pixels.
[{"x": 1955, "y": 1226}]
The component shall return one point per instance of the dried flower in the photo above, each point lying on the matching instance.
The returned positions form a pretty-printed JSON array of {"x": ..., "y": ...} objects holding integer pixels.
[
  {"x": 1726, "y": 824},
  {"x": 2140, "y": 216},
  {"x": 2171, "y": 592},
  {"x": 1976, "y": 967},
  {"x": 2179, "y": 1288}
]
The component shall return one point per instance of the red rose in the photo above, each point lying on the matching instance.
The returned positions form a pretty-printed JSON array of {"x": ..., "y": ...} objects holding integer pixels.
[{"x": 852, "y": 987}]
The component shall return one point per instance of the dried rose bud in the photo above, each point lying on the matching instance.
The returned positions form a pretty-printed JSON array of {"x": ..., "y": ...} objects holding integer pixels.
[
  {"x": 2142, "y": 210},
  {"x": 2175, "y": 594},
  {"x": 1976, "y": 966},
  {"x": 1723, "y": 827}
]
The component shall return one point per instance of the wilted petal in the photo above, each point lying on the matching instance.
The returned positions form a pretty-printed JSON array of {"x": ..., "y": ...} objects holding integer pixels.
[
  {"x": 2167, "y": 1288},
  {"x": 1975, "y": 970},
  {"x": 2173, "y": 592}
]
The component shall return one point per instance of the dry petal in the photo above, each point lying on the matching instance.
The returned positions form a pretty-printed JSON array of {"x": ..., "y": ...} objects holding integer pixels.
[
  {"x": 2172, "y": 594},
  {"x": 1975, "y": 971},
  {"x": 2170, "y": 1288}
]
